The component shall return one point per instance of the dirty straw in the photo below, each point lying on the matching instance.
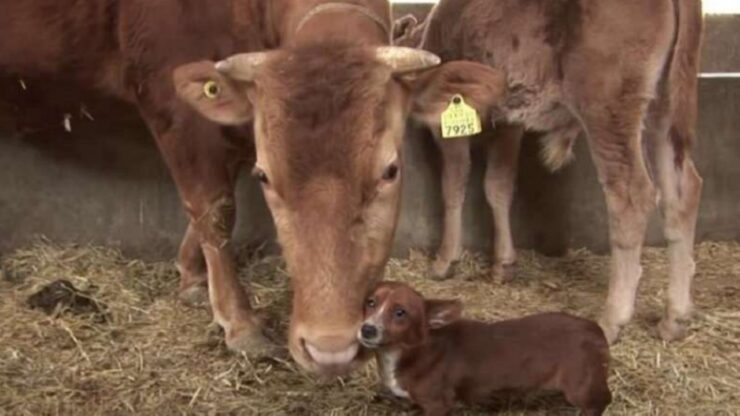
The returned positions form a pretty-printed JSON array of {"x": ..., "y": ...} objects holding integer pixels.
[{"x": 139, "y": 351}]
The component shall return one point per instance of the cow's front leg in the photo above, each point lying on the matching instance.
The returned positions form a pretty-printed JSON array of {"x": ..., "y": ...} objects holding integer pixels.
[
  {"x": 204, "y": 165},
  {"x": 193, "y": 271},
  {"x": 213, "y": 221},
  {"x": 501, "y": 173},
  {"x": 455, "y": 172},
  {"x": 191, "y": 262}
]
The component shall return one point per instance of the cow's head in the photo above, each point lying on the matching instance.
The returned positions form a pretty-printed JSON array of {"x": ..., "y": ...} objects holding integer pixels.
[{"x": 329, "y": 123}]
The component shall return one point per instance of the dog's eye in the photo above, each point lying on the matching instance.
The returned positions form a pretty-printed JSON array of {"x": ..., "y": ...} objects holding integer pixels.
[
  {"x": 399, "y": 312},
  {"x": 370, "y": 303}
]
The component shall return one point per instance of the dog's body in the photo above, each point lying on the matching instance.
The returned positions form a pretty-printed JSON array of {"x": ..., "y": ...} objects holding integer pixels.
[{"x": 434, "y": 358}]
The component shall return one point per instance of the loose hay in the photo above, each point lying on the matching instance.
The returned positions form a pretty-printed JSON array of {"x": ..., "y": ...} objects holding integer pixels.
[{"x": 154, "y": 356}]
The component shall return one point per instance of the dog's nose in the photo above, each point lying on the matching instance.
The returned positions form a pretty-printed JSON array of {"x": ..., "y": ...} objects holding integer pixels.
[{"x": 369, "y": 332}]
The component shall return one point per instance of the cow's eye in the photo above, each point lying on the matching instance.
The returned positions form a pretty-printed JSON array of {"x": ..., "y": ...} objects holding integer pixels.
[
  {"x": 261, "y": 176},
  {"x": 391, "y": 172},
  {"x": 399, "y": 312},
  {"x": 370, "y": 303}
]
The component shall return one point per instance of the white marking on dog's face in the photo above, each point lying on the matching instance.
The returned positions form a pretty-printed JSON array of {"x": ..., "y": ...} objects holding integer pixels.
[
  {"x": 394, "y": 318},
  {"x": 376, "y": 320},
  {"x": 377, "y": 317}
]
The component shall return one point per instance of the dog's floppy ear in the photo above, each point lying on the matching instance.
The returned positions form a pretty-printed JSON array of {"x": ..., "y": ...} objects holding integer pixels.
[{"x": 442, "y": 312}]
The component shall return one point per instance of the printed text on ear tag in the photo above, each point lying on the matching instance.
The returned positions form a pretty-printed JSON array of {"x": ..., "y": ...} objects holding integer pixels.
[{"x": 460, "y": 119}]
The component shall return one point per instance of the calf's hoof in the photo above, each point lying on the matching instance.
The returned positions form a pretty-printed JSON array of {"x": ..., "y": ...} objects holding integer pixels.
[
  {"x": 611, "y": 331},
  {"x": 441, "y": 269},
  {"x": 250, "y": 341},
  {"x": 195, "y": 296},
  {"x": 671, "y": 330},
  {"x": 503, "y": 273}
]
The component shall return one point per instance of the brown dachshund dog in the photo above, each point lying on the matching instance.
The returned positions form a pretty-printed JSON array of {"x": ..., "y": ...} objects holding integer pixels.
[{"x": 426, "y": 353}]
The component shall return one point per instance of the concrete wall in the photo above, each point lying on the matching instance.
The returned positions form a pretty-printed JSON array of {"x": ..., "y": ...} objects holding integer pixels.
[
  {"x": 721, "y": 37},
  {"x": 105, "y": 182}
]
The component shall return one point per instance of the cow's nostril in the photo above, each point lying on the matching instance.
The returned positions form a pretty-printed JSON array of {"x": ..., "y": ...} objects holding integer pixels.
[{"x": 369, "y": 332}]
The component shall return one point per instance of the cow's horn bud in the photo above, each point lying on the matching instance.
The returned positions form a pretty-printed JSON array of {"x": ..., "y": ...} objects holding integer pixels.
[{"x": 402, "y": 59}]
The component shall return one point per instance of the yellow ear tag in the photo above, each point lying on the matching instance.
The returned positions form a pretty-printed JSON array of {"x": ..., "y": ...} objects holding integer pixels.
[
  {"x": 460, "y": 119},
  {"x": 211, "y": 89}
]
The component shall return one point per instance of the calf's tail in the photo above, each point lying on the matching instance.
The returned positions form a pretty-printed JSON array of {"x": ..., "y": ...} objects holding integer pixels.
[{"x": 682, "y": 75}]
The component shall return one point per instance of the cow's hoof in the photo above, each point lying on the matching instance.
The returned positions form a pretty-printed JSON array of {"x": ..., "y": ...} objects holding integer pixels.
[
  {"x": 252, "y": 342},
  {"x": 195, "y": 296},
  {"x": 611, "y": 331},
  {"x": 441, "y": 270},
  {"x": 671, "y": 330},
  {"x": 503, "y": 273}
]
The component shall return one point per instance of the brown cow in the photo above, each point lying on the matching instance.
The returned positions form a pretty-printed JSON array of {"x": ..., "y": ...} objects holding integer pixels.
[
  {"x": 624, "y": 72},
  {"x": 328, "y": 112}
]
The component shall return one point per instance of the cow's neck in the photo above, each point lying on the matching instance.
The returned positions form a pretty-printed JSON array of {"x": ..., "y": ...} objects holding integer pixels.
[{"x": 302, "y": 22}]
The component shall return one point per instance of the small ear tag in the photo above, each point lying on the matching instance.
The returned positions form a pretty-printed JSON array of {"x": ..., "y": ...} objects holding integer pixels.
[
  {"x": 460, "y": 119},
  {"x": 211, "y": 90}
]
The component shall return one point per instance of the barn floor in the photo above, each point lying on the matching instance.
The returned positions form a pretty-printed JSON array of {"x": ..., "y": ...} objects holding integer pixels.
[{"x": 149, "y": 355}]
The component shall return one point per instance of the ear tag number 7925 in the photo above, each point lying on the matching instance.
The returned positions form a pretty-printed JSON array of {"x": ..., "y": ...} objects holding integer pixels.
[{"x": 459, "y": 119}]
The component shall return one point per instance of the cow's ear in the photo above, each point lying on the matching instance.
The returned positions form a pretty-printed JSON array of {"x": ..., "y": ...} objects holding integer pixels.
[
  {"x": 402, "y": 28},
  {"x": 442, "y": 312},
  {"x": 215, "y": 96},
  {"x": 482, "y": 87}
]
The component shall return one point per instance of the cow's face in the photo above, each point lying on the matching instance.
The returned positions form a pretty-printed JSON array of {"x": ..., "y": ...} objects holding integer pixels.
[{"x": 328, "y": 124}]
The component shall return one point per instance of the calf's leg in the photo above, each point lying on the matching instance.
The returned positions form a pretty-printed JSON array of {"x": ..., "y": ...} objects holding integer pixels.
[
  {"x": 613, "y": 124},
  {"x": 679, "y": 187},
  {"x": 500, "y": 180},
  {"x": 455, "y": 172},
  {"x": 680, "y": 191}
]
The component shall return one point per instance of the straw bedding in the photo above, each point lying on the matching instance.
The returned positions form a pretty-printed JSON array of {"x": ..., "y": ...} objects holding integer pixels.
[{"x": 139, "y": 351}]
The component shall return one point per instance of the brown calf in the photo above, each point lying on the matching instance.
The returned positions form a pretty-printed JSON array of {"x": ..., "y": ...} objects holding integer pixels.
[
  {"x": 622, "y": 72},
  {"x": 426, "y": 353}
]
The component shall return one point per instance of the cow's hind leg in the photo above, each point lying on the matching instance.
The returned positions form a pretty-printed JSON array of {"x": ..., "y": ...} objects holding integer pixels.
[
  {"x": 455, "y": 172},
  {"x": 680, "y": 191},
  {"x": 501, "y": 173},
  {"x": 614, "y": 125}
]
